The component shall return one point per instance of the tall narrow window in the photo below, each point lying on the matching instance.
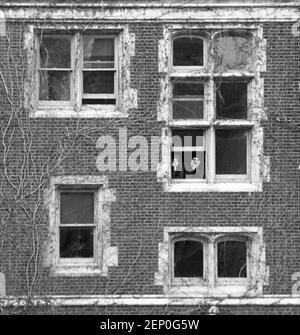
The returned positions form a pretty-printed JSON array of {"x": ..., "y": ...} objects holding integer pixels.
[
  {"x": 99, "y": 70},
  {"x": 55, "y": 68},
  {"x": 77, "y": 225}
]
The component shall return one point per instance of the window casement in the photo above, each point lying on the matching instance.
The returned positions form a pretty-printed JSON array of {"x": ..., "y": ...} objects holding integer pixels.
[
  {"x": 214, "y": 261},
  {"x": 213, "y": 113},
  {"x": 79, "y": 239}
]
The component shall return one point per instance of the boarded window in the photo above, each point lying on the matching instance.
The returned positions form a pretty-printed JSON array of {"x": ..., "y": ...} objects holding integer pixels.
[
  {"x": 233, "y": 52},
  {"x": 231, "y": 152},
  {"x": 188, "y": 259},
  {"x": 55, "y": 68},
  {"x": 188, "y": 154},
  {"x": 188, "y": 51},
  {"x": 232, "y": 259},
  {"x": 77, "y": 224},
  {"x": 188, "y": 100},
  {"x": 232, "y": 100}
]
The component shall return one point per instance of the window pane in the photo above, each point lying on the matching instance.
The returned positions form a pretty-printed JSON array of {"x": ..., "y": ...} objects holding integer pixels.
[
  {"x": 55, "y": 52},
  {"x": 232, "y": 101},
  {"x": 76, "y": 242},
  {"x": 188, "y": 165},
  {"x": 188, "y": 51},
  {"x": 98, "y": 82},
  {"x": 231, "y": 151},
  {"x": 54, "y": 85},
  {"x": 232, "y": 259},
  {"x": 76, "y": 207},
  {"x": 187, "y": 138},
  {"x": 188, "y": 109},
  {"x": 188, "y": 89},
  {"x": 98, "y": 52},
  {"x": 188, "y": 259},
  {"x": 233, "y": 52}
]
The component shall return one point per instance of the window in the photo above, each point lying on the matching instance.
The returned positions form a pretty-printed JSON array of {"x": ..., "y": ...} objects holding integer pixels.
[
  {"x": 78, "y": 73},
  {"x": 79, "y": 239},
  {"x": 212, "y": 261},
  {"x": 213, "y": 137}
]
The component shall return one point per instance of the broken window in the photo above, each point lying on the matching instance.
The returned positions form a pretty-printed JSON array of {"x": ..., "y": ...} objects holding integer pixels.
[
  {"x": 77, "y": 224},
  {"x": 99, "y": 70},
  {"x": 232, "y": 259},
  {"x": 231, "y": 152},
  {"x": 233, "y": 51},
  {"x": 188, "y": 51},
  {"x": 55, "y": 68},
  {"x": 188, "y": 259},
  {"x": 188, "y": 154},
  {"x": 188, "y": 100},
  {"x": 232, "y": 100}
]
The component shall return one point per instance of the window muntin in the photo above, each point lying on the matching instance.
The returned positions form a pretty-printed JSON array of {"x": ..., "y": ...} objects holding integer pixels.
[
  {"x": 77, "y": 225},
  {"x": 188, "y": 154},
  {"x": 232, "y": 258},
  {"x": 55, "y": 68},
  {"x": 188, "y": 100},
  {"x": 188, "y": 51},
  {"x": 99, "y": 70}
]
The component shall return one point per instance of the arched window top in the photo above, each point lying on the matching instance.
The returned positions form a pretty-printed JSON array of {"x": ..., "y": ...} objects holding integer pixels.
[
  {"x": 188, "y": 50},
  {"x": 233, "y": 49}
]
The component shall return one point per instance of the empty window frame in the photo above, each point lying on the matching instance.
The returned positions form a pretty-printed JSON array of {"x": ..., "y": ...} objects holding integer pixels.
[
  {"x": 55, "y": 69},
  {"x": 188, "y": 52},
  {"x": 99, "y": 70},
  {"x": 77, "y": 225}
]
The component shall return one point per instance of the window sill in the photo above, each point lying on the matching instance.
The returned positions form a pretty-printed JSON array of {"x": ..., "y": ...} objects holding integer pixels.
[
  {"x": 217, "y": 187},
  {"x": 76, "y": 270},
  {"x": 88, "y": 111}
]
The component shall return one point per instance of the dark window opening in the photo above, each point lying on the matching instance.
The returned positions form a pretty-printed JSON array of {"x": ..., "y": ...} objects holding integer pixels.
[
  {"x": 188, "y": 259},
  {"x": 231, "y": 152},
  {"x": 232, "y": 259},
  {"x": 188, "y": 51},
  {"x": 232, "y": 100},
  {"x": 98, "y": 82},
  {"x": 98, "y": 101}
]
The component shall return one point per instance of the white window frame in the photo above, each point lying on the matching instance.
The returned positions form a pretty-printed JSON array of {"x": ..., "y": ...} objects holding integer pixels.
[
  {"x": 252, "y": 180},
  {"x": 211, "y": 285},
  {"x": 104, "y": 254}
]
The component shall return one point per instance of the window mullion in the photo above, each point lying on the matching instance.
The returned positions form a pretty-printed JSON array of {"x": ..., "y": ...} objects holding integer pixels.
[
  {"x": 77, "y": 74},
  {"x": 211, "y": 266}
]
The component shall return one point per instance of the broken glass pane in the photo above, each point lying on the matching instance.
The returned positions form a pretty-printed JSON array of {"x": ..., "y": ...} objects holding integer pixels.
[
  {"x": 232, "y": 100},
  {"x": 188, "y": 164},
  {"x": 55, "y": 52},
  {"x": 188, "y": 51},
  {"x": 98, "y": 52},
  {"x": 233, "y": 52},
  {"x": 231, "y": 151},
  {"x": 188, "y": 259},
  {"x": 76, "y": 242},
  {"x": 188, "y": 100},
  {"x": 232, "y": 259},
  {"x": 187, "y": 138},
  {"x": 76, "y": 207},
  {"x": 54, "y": 85},
  {"x": 98, "y": 82}
]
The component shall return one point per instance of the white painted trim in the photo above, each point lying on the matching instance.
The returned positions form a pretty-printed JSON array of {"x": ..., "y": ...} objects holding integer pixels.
[{"x": 149, "y": 300}]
